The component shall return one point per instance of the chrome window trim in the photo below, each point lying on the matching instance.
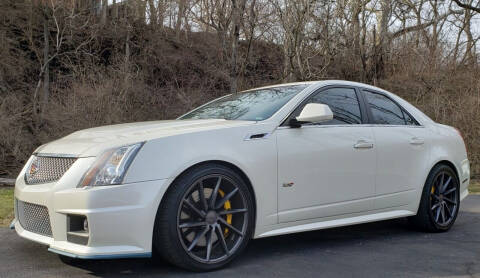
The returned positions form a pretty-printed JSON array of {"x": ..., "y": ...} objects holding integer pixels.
[{"x": 349, "y": 126}]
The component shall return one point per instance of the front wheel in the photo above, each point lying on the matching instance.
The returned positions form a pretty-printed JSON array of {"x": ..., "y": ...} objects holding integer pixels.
[
  {"x": 440, "y": 201},
  {"x": 205, "y": 220}
]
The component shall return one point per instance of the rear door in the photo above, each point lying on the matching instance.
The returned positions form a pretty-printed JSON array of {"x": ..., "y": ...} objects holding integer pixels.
[{"x": 401, "y": 146}]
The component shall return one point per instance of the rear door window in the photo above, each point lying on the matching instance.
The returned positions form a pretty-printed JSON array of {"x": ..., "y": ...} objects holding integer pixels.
[{"x": 384, "y": 110}]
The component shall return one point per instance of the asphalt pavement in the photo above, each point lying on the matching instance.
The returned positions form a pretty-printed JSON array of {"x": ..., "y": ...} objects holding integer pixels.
[{"x": 382, "y": 249}]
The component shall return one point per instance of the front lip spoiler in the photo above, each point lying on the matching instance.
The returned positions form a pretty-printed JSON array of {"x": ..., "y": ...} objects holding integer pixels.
[{"x": 101, "y": 257}]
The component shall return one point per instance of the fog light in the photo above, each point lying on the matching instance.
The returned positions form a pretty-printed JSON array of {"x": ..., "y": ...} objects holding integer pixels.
[
  {"x": 77, "y": 229},
  {"x": 85, "y": 225}
]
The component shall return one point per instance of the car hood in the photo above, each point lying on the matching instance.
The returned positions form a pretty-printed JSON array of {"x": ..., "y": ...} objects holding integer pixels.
[{"x": 92, "y": 141}]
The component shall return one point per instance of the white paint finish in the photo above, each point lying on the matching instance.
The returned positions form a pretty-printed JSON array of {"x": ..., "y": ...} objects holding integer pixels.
[
  {"x": 121, "y": 217},
  {"x": 93, "y": 141},
  {"x": 401, "y": 162},
  {"x": 326, "y": 169},
  {"x": 315, "y": 113},
  {"x": 162, "y": 158},
  {"x": 342, "y": 174}
]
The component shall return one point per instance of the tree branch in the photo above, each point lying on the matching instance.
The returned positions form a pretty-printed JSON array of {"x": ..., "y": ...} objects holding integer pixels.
[
  {"x": 466, "y": 6},
  {"x": 420, "y": 26}
]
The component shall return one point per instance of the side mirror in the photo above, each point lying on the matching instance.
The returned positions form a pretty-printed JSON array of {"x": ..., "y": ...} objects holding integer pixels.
[{"x": 313, "y": 113}]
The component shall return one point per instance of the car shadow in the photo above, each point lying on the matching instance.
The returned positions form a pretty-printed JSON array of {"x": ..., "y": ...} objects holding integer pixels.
[
  {"x": 260, "y": 251},
  {"x": 381, "y": 249}
]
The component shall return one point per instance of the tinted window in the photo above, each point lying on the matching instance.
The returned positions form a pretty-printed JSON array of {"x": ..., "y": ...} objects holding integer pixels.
[
  {"x": 344, "y": 104},
  {"x": 409, "y": 120},
  {"x": 384, "y": 110},
  {"x": 255, "y": 105}
]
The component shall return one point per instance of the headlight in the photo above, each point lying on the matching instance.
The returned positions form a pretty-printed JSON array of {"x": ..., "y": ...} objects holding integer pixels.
[{"x": 111, "y": 166}]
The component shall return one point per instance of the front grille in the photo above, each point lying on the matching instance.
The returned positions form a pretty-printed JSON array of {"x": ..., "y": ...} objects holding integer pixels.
[
  {"x": 47, "y": 169},
  {"x": 33, "y": 218}
]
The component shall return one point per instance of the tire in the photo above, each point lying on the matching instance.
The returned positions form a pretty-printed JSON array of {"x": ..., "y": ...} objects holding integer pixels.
[
  {"x": 441, "y": 192},
  {"x": 218, "y": 236}
]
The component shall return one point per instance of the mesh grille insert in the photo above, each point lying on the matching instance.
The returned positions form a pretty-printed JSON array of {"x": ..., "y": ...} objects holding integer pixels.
[
  {"x": 47, "y": 169},
  {"x": 33, "y": 218}
]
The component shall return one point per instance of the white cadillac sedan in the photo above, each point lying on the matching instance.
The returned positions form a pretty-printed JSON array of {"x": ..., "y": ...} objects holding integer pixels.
[{"x": 264, "y": 162}]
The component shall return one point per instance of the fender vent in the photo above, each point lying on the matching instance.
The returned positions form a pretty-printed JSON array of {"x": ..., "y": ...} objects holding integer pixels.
[{"x": 258, "y": 136}]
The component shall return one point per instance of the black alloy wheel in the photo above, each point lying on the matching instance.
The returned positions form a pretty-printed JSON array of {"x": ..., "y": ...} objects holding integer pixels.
[
  {"x": 444, "y": 199},
  {"x": 440, "y": 201},
  {"x": 206, "y": 218}
]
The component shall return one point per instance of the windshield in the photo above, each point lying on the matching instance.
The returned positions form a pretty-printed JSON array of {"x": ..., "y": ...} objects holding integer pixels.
[{"x": 255, "y": 105}]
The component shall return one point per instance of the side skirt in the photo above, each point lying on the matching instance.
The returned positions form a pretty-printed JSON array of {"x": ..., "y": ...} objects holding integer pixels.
[{"x": 337, "y": 223}]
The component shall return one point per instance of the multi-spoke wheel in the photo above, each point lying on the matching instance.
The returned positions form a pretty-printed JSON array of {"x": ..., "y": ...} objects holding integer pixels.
[
  {"x": 443, "y": 199},
  {"x": 440, "y": 201},
  {"x": 206, "y": 218}
]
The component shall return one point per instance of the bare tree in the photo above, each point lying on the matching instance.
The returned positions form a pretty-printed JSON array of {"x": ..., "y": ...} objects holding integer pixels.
[
  {"x": 152, "y": 12},
  {"x": 237, "y": 16},
  {"x": 180, "y": 15},
  {"x": 104, "y": 11}
]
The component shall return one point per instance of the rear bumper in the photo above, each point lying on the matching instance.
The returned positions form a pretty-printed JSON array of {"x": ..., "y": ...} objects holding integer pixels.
[
  {"x": 120, "y": 218},
  {"x": 464, "y": 178}
]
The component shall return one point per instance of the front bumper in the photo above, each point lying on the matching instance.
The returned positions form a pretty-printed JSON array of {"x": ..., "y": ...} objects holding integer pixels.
[{"x": 120, "y": 217}]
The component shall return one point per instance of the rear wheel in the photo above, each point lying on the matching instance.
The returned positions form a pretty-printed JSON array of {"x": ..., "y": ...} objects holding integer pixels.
[
  {"x": 440, "y": 201},
  {"x": 205, "y": 220}
]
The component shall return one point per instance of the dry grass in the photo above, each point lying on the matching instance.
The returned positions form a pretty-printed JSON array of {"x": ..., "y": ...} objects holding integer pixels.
[
  {"x": 474, "y": 187},
  {"x": 6, "y": 206}
]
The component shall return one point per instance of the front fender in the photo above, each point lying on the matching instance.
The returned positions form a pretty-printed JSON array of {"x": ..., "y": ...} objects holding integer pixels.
[{"x": 166, "y": 158}]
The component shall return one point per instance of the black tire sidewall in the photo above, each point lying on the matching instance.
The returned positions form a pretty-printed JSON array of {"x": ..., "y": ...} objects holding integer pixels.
[
  {"x": 426, "y": 197},
  {"x": 169, "y": 210}
]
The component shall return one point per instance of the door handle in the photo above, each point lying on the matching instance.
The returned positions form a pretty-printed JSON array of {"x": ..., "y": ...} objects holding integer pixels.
[
  {"x": 363, "y": 144},
  {"x": 417, "y": 141}
]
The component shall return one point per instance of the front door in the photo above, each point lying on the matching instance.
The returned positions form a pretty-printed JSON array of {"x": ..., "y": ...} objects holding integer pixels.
[{"x": 327, "y": 169}]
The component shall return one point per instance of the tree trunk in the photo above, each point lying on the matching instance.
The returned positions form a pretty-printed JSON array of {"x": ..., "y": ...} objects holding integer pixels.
[
  {"x": 46, "y": 73},
  {"x": 104, "y": 12},
  {"x": 381, "y": 42},
  {"x": 126, "y": 65},
  {"x": 235, "y": 37},
  {"x": 181, "y": 11},
  {"x": 161, "y": 12},
  {"x": 115, "y": 9},
  {"x": 140, "y": 10},
  {"x": 152, "y": 12},
  {"x": 469, "y": 57},
  {"x": 357, "y": 9}
]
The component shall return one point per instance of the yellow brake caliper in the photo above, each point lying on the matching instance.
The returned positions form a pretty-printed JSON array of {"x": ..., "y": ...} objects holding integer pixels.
[{"x": 226, "y": 206}]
